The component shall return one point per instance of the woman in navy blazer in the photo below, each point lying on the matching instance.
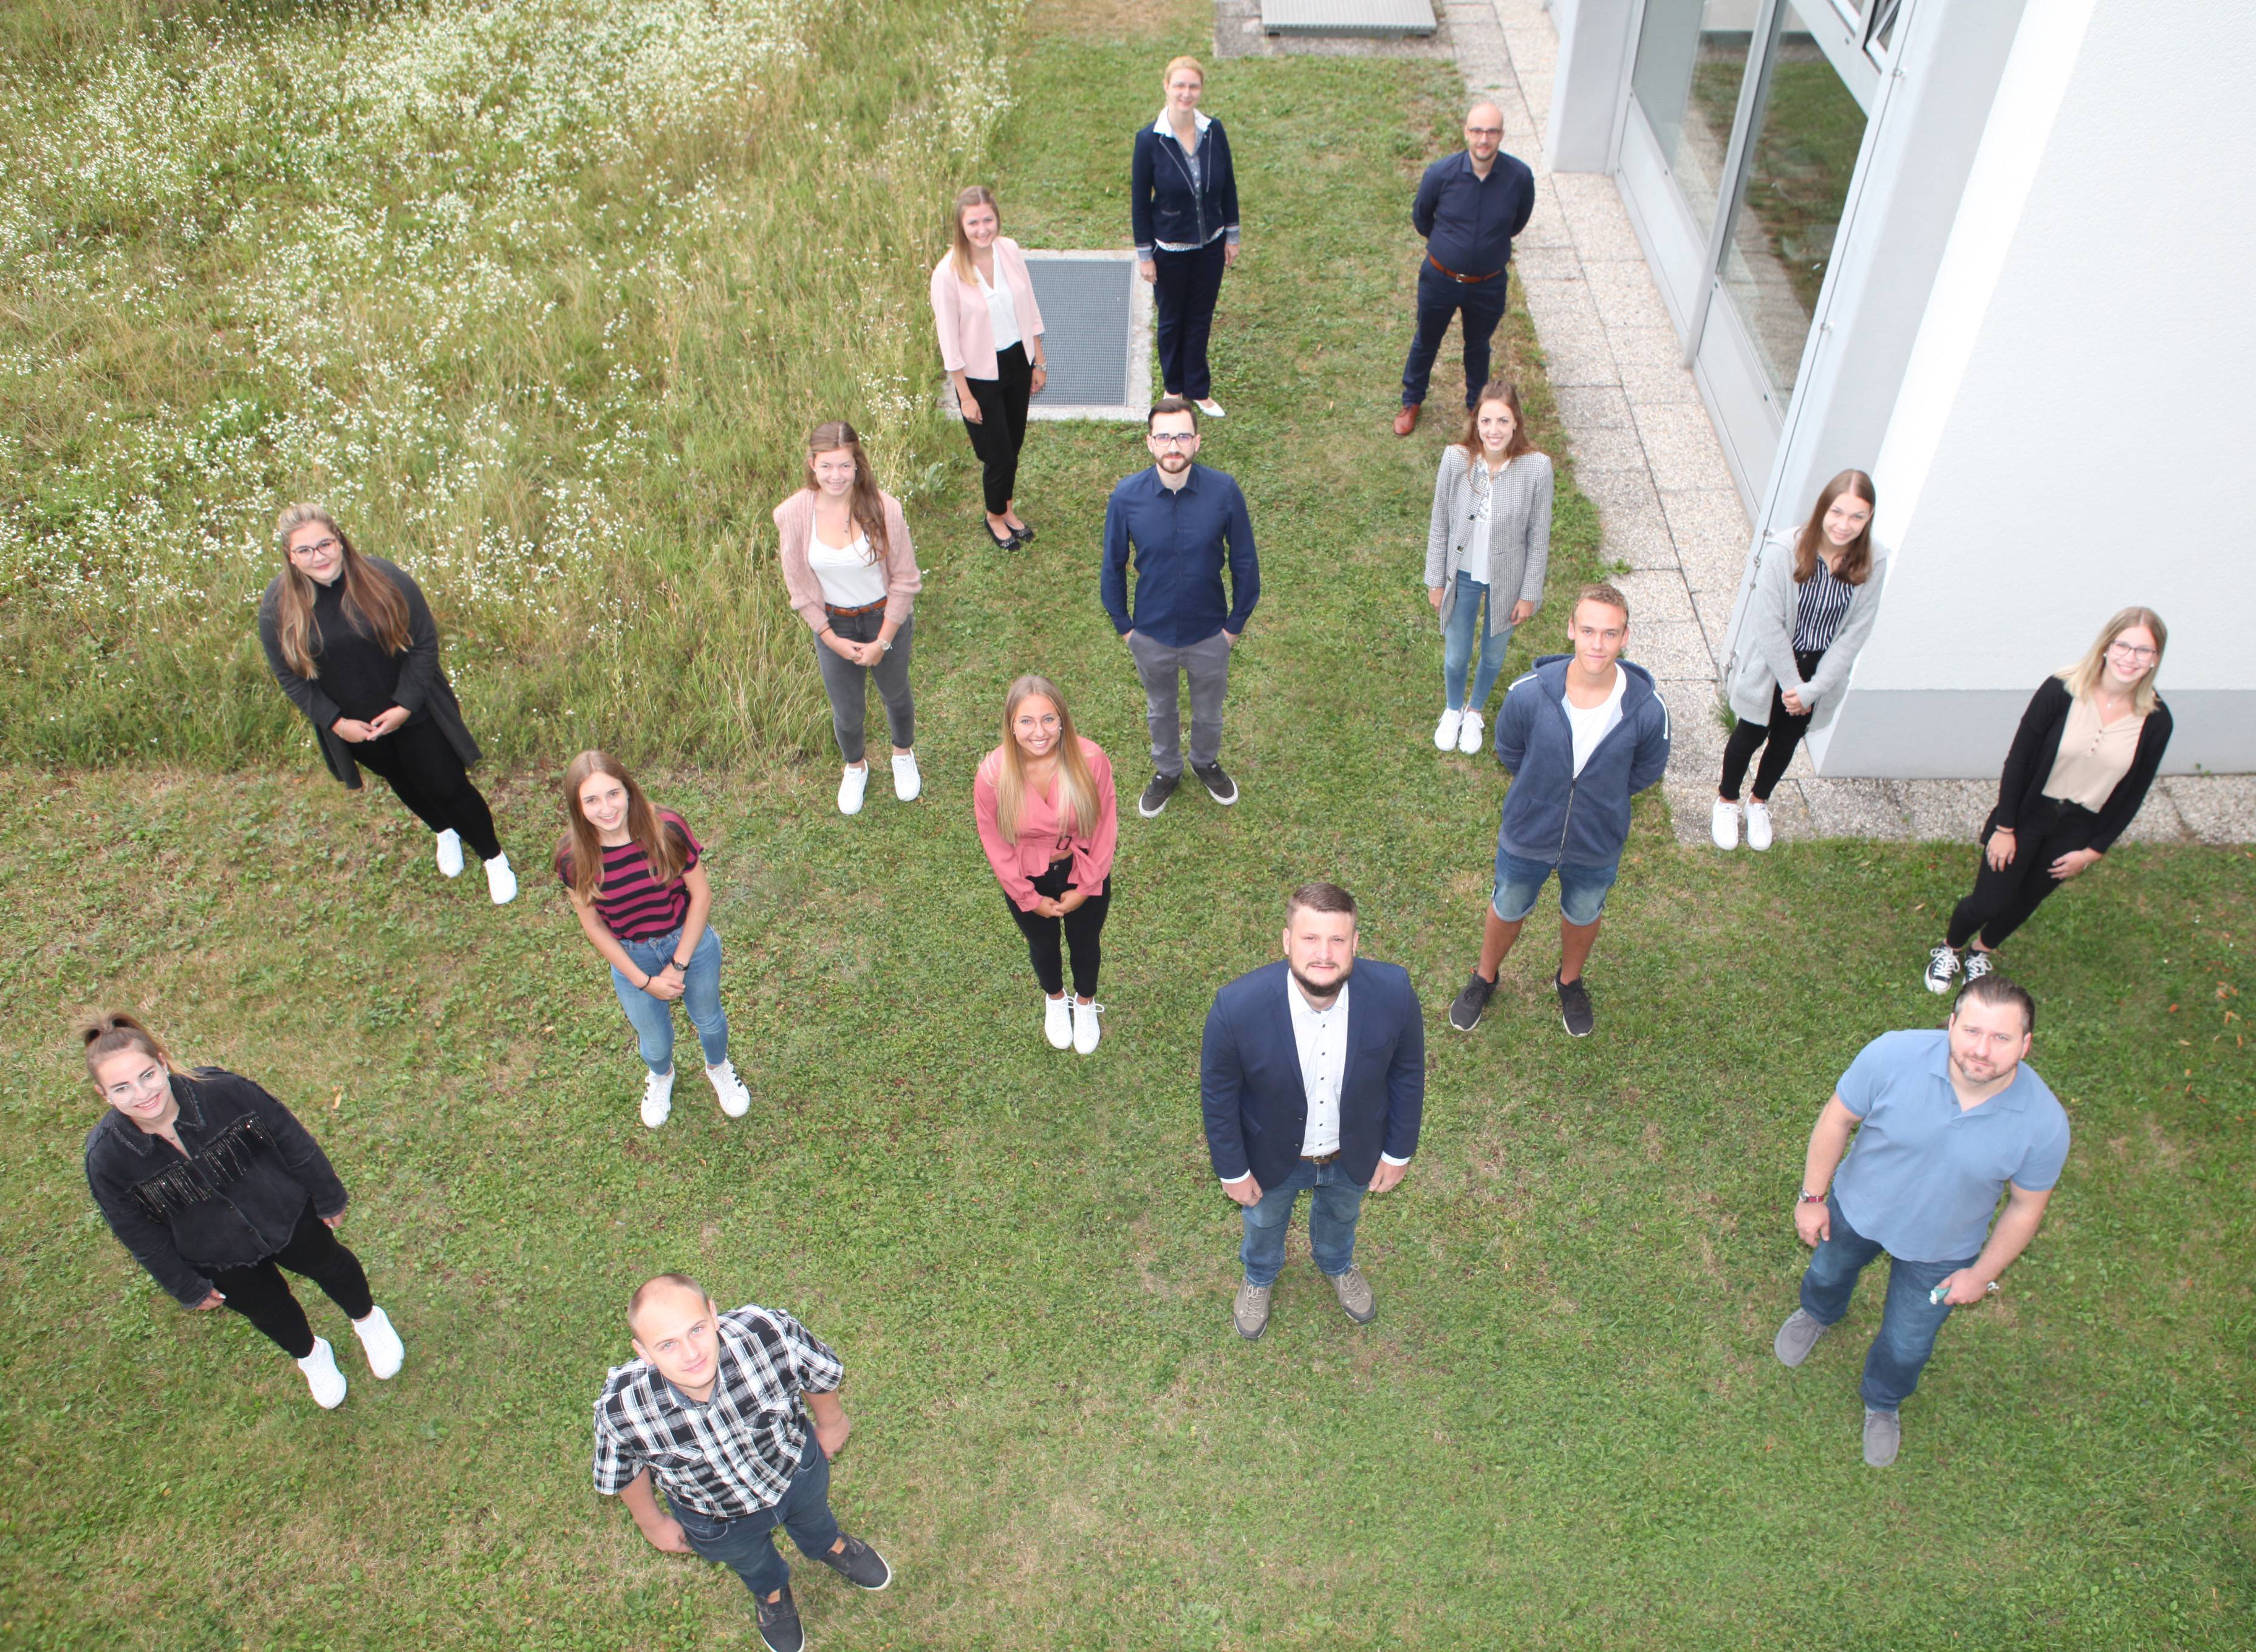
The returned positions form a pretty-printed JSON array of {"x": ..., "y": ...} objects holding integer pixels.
[
  {"x": 1183, "y": 203},
  {"x": 1294, "y": 1099}
]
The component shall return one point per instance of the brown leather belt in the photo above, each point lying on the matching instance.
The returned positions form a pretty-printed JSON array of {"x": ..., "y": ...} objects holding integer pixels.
[
  {"x": 1470, "y": 281},
  {"x": 1319, "y": 1158},
  {"x": 850, "y": 613}
]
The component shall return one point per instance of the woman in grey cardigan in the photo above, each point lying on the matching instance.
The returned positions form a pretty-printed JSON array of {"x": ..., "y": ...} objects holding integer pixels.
[
  {"x": 1808, "y": 607},
  {"x": 1490, "y": 538}
]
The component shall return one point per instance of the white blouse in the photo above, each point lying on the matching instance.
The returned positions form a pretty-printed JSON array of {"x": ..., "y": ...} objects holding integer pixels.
[
  {"x": 851, "y": 578},
  {"x": 1002, "y": 312}
]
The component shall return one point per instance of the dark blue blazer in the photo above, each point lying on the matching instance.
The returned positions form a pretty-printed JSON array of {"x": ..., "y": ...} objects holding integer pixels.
[{"x": 1257, "y": 1111}]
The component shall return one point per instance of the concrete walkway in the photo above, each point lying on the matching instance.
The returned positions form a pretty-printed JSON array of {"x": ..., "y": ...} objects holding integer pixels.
[{"x": 1646, "y": 454}]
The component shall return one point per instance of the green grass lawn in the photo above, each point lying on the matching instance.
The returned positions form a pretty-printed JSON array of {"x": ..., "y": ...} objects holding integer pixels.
[{"x": 1565, "y": 1429}]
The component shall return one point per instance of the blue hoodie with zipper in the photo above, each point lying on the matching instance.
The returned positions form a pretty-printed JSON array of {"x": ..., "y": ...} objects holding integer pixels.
[{"x": 1552, "y": 813}]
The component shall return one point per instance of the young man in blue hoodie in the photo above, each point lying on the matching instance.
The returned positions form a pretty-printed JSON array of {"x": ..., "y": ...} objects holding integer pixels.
[{"x": 1581, "y": 734}]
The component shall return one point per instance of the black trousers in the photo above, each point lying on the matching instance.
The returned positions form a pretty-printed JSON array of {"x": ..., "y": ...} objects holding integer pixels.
[
  {"x": 262, "y": 1295},
  {"x": 1783, "y": 733},
  {"x": 1001, "y": 427},
  {"x": 1184, "y": 287},
  {"x": 1083, "y": 928},
  {"x": 2002, "y": 901},
  {"x": 425, "y": 772}
]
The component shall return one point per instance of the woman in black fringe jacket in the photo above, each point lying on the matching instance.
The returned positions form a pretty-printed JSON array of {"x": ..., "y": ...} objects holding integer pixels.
[{"x": 214, "y": 1186}]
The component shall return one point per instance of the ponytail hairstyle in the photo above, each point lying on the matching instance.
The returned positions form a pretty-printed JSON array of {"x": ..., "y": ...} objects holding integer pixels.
[
  {"x": 865, "y": 502},
  {"x": 1856, "y": 555},
  {"x": 372, "y": 604},
  {"x": 1496, "y": 390},
  {"x": 1077, "y": 807},
  {"x": 959, "y": 244},
  {"x": 109, "y": 1034},
  {"x": 581, "y": 858}
]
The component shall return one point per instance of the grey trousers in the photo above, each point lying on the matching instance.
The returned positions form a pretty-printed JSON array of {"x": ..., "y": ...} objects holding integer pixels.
[
  {"x": 842, "y": 681},
  {"x": 1207, "y": 666}
]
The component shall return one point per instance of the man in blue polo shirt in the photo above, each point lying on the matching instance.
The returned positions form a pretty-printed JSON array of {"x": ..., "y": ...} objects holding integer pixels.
[
  {"x": 1944, "y": 1122},
  {"x": 1182, "y": 523}
]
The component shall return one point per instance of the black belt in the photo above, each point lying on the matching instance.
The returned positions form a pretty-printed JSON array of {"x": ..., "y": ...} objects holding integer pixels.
[{"x": 1470, "y": 281}]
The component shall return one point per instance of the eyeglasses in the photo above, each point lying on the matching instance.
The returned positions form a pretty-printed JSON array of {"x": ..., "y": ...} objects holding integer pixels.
[
  {"x": 1173, "y": 438},
  {"x": 1483, "y": 131},
  {"x": 319, "y": 547},
  {"x": 2132, "y": 651}
]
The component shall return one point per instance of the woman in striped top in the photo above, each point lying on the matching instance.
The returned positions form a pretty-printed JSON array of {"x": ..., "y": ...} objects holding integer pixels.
[
  {"x": 1806, "y": 608},
  {"x": 636, "y": 880}
]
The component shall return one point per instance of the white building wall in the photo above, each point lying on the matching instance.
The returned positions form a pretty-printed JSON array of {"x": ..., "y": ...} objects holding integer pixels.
[{"x": 2075, "y": 426}]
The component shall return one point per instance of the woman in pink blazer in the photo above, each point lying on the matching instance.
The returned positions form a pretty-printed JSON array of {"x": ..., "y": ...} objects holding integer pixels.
[
  {"x": 990, "y": 342},
  {"x": 852, "y": 576}
]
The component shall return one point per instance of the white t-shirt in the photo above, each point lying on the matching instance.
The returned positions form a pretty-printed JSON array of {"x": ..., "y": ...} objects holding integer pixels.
[
  {"x": 849, "y": 578},
  {"x": 1591, "y": 725},
  {"x": 1002, "y": 310}
]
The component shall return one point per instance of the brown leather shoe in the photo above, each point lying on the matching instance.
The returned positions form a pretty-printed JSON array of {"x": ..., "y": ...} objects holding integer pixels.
[{"x": 1407, "y": 420}]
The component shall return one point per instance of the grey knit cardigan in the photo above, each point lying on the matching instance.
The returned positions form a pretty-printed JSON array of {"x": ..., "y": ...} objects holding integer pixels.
[
  {"x": 1762, "y": 642},
  {"x": 1519, "y": 532}
]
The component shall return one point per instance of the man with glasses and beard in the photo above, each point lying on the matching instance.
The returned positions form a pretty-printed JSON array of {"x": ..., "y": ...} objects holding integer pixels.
[
  {"x": 1310, "y": 1080},
  {"x": 1182, "y": 523}
]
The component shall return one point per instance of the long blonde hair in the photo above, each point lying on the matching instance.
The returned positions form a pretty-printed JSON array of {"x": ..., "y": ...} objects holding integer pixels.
[
  {"x": 1076, "y": 784},
  {"x": 959, "y": 244},
  {"x": 2083, "y": 677},
  {"x": 372, "y": 604}
]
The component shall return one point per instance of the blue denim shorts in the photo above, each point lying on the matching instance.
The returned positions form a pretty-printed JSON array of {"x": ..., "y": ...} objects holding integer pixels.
[{"x": 1582, "y": 888}]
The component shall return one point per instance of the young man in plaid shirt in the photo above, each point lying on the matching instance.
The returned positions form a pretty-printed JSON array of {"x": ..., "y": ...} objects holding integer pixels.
[{"x": 717, "y": 1413}]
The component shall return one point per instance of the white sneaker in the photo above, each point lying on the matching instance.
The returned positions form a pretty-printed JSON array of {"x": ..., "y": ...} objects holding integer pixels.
[
  {"x": 657, "y": 1097},
  {"x": 1057, "y": 1022},
  {"x": 908, "y": 782},
  {"x": 1469, "y": 733},
  {"x": 1085, "y": 1026},
  {"x": 852, "y": 785},
  {"x": 501, "y": 882},
  {"x": 1212, "y": 409},
  {"x": 1978, "y": 964},
  {"x": 1758, "y": 825},
  {"x": 1724, "y": 824},
  {"x": 1445, "y": 732},
  {"x": 322, "y": 1375},
  {"x": 1942, "y": 966},
  {"x": 450, "y": 854},
  {"x": 380, "y": 1342},
  {"x": 735, "y": 1100}
]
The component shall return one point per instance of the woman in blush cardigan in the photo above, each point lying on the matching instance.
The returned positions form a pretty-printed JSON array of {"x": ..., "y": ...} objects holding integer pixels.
[
  {"x": 852, "y": 576},
  {"x": 990, "y": 342},
  {"x": 1182, "y": 206},
  {"x": 1048, "y": 819}
]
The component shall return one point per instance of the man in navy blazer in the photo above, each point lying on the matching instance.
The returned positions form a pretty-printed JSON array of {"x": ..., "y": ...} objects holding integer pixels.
[{"x": 1312, "y": 1075}]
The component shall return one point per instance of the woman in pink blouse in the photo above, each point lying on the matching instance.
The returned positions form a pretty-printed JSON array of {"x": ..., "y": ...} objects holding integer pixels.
[
  {"x": 990, "y": 342},
  {"x": 1044, "y": 802}
]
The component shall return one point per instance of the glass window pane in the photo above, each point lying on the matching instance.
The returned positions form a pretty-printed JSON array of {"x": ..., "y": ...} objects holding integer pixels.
[
  {"x": 1691, "y": 57},
  {"x": 1799, "y": 162}
]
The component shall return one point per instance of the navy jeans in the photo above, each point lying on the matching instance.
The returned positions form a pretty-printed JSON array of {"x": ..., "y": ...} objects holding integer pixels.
[
  {"x": 653, "y": 1016},
  {"x": 1909, "y": 1323},
  {"x": 1440, "y": 297},
  {"x": 747, "y": 1547},
  {"x": 1334, "y": 1204},
  {"x": 1465, "y": 622}
]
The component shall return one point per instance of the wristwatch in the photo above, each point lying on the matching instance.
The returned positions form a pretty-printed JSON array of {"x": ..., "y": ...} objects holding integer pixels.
[
  {"x": 884, "y": 646},
  {"x": 1809, "y": 1197}
]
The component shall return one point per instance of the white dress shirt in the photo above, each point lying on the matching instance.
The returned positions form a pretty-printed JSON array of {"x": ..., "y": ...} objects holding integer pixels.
[{"x": 1319, "y": 1040}]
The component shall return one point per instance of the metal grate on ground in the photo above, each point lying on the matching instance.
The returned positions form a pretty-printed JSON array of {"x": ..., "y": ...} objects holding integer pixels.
[
  {"x": 1096, "y": 333},
  {"x": 1379, "y": 19}
]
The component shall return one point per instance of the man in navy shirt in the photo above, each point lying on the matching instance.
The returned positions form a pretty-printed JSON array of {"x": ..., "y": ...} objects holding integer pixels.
[
  {"x": 1469, "y": 207},
  {"x": 1181, "y": 521},
  {"x": 1944, "y": 1123}
]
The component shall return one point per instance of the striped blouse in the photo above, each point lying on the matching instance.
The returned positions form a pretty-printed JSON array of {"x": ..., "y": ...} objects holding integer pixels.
[
  {"x": 633, "y": 905},
  {"x": 1823, "y": 605}
]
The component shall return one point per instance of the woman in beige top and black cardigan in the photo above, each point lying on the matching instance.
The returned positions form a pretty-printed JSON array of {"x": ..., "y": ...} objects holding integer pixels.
[
  {"x": 2087, "y": 748},
  {"x": 852, "y": 576},
  {"x": 990, "y": 342}
]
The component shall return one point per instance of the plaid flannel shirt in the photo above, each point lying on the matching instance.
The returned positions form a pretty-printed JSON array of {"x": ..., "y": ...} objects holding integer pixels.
[{"x": 736, "y": 1454}]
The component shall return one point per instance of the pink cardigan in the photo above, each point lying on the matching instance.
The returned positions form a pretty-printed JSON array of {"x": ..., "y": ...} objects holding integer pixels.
[
  {"x": 1016, "y": 865},
  {"x": 794, "y": 521},
  {"x": 959, "y": 311}
]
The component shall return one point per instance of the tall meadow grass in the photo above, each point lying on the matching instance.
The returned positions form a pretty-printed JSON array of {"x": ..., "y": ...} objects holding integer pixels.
[{"x": 540, "y": 295}]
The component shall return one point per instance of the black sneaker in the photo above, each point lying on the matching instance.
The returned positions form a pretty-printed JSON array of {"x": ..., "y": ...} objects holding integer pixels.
[
  {"x": 1575, "y": 1006},
  {"x": 779, "y": 1630},
  {"x": 1465, "y": 1013},
  {"x": 859, "y": 1564},
  {"x": 1219, "y": 786},
  {"x": 1155, "y": 800}
]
